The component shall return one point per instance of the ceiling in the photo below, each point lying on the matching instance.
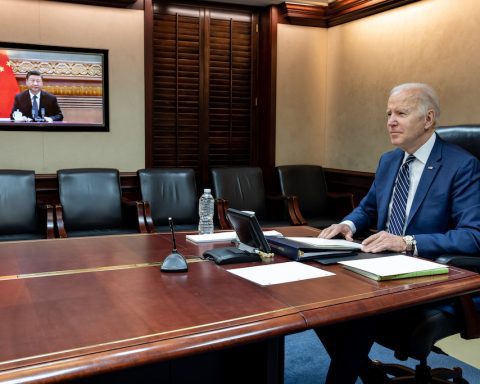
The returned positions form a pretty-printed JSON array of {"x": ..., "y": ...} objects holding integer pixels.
[{"x": 262, "y": 3}]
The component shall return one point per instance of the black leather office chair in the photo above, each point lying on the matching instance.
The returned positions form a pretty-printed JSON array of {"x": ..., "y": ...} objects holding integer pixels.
[
  {"x": 316, "y": 207},
  {"x": 21, "y": 218},
  {"x": 416, "y": 340},
  {"x": 243, "y": 188},
  {"x": 92, "y": 204},
  {"x": 169, "y": 192}
]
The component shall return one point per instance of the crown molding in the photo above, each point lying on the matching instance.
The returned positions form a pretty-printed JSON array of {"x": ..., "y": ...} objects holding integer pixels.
[{"x": 336, "y": 13}]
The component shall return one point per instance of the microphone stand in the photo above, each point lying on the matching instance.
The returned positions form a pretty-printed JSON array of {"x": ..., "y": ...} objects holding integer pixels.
[{"x": 174, "y": 262}]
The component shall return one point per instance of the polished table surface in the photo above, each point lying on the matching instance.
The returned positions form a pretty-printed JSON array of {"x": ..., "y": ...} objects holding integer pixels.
[{"x": 74, "y": 307}]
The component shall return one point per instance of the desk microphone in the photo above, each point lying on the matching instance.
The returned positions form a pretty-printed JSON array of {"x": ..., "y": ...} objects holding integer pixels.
[{"x": 174, "y": 262}]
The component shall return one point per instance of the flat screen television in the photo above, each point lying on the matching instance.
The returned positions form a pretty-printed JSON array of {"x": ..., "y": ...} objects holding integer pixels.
[{"x": 74, "y": 82}]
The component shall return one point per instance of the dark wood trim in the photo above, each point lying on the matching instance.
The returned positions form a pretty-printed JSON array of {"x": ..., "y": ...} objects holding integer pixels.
[
  {"x": 204, "y": 94},
  {"x": 267, "y": 96},
  {"x": 148, "y": 57},
  {"x": 306, "y": 15},
  {"x": 337, "y": 12},
  {"x": 47, "y": 187},
  {"x": 338, "y": 181},
  {"x": 345, "y": 181}
]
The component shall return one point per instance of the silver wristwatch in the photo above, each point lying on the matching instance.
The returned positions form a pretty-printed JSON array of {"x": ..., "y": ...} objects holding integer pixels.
[{"x": 411, "y": 243}]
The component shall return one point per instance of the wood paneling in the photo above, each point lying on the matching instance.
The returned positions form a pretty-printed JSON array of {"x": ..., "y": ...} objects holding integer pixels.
[
  {"x": 203, "y": 67},
  {"x": 268, "y": 94},
  {"x": 47, "y": 187},
  {"x": 357, "y": 183},
  {"x": 338, "y": 180},
  {"x": 338, "y": 12}
]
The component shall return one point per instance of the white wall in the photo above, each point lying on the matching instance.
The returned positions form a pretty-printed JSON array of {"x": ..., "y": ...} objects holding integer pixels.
[
  {"x": 301, "y": 86},
  {"x": 432, "y": 41},
  {"x": 120, "y": 31}
]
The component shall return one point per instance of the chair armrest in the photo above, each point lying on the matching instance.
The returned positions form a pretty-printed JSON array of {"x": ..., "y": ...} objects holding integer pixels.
[
  {"x": 147, "y": 212},
  {"x": 221, "y": 207},
  {"x": 470, "y": 314},
  {"x": 134, "y": 214},
  {"x": 290, "y": 205},
  {"x": 46, "y": 220},
  {"x": 341, "y": 203},
  {"x": 59, "y": 224},
  {"x": 471, "y": 263}
]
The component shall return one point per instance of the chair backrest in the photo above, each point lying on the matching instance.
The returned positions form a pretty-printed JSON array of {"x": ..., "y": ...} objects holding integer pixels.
[
  {"x": 91, "y": 198},
  {"x": 171, "y": 192},
  {"x": 307, "y": 182},
  {"x": 465, "y": 136},
  {"x": 242, "y": 186},
  {"x": 17, "y": 202},
  {"x": 468, "y": 137}
]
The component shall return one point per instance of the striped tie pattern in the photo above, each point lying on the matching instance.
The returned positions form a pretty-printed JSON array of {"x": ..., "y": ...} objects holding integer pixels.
[
  {"x": 34, "y": 107},
  {"x": 400, "y": 195}
]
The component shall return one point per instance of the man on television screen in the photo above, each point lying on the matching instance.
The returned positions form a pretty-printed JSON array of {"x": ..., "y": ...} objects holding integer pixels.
[{"x": 35, "y": 104}]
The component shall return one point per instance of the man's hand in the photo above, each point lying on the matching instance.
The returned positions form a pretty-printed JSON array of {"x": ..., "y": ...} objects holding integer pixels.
[
  {"x": 384, "y": 241},
  {"x": 337, "y": 229}
]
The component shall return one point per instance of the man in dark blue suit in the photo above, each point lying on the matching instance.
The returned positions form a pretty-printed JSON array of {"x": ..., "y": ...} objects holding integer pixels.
[
  {"x": 439, "y": 213},
  {"x": 35, "y": 104}
]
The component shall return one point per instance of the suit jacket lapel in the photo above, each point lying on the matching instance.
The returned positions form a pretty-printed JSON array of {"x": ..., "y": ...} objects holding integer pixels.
[
  {"x": 385, "y": 185},
  {"x": 429, "y": 172}
]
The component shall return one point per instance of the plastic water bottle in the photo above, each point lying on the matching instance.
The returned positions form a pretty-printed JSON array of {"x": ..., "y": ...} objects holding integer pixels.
[{"x": 205, "y": 211}]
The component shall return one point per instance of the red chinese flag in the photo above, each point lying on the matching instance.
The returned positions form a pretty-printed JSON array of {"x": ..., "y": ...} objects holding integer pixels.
[{"x": 8, "y": 85}]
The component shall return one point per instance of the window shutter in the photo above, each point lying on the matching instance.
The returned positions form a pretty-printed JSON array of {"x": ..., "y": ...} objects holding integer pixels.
[
  {"x": 230, "y": 106},
  {"x": 176, "y": 84},
  {"x": 204, "y": 69}
]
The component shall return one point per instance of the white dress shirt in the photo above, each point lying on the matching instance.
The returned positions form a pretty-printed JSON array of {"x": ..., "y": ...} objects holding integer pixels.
[{"x": 416, "y": 169}]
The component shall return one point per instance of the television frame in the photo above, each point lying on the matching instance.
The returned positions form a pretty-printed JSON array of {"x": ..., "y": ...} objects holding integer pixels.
[
  {"x": 76, "y": 126},
  {"x": 248, "y": 230}
]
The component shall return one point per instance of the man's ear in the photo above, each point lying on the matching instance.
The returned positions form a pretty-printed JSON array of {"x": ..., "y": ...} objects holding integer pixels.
[{"x": 429, "y": 119}]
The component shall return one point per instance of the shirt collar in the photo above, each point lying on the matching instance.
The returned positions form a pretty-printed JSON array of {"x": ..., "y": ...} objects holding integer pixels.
[
  {"x": 423, "y": 153},
  {"x": 31, "y": 95}
]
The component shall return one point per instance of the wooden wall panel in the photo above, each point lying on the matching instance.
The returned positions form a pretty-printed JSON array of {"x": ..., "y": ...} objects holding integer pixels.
[
  {"x": 338, "y": 180},
  {"x": 203, "y": 87}
]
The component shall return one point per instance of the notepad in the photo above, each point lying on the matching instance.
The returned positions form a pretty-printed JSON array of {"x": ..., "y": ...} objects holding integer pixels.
[
  {"x": 394, "y": 267},
  {"x": 223, "y": 236}
]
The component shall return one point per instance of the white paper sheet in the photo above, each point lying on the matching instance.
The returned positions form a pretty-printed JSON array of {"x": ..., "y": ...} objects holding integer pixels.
[
  {"x": 223, "y": 236},
  {"x": 280, "y": 273}
]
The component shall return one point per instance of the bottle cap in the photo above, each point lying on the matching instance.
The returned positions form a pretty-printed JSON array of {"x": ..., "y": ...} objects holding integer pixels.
[{"x": 207, "y": 190}]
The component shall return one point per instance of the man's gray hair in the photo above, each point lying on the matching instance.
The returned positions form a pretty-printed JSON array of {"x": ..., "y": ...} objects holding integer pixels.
[{"x": 427, "y": 97}]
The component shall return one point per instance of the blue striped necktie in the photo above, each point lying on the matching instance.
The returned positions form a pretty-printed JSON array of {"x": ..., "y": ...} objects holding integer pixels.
[
  {"x": 400, "y": 196},
  {"x": 34, "y": 107}
]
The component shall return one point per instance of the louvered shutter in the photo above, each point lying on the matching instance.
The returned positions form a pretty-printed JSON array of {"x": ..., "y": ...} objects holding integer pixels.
[
  {"x": 204, "y": 66},
  {"x": 230, "y": 90},
  {"x": 176, "y": 84}
]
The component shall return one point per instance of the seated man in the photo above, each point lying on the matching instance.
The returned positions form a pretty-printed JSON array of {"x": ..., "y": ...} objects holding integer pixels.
[
  {"x": 425, "y": 201},
  {"x": 35, "y": 104}
]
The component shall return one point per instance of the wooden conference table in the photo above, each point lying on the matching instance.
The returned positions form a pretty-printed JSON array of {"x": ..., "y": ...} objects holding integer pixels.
[{"x": 80, "y": 307}]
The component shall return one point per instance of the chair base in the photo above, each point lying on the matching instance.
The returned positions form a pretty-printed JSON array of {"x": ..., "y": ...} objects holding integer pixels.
[{"x": 422, "y": 374}]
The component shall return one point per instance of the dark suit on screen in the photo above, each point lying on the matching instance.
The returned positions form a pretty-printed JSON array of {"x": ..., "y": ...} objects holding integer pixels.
[
  {"x": 48, "y": 101},
  {"x": 445, "y": 213}
]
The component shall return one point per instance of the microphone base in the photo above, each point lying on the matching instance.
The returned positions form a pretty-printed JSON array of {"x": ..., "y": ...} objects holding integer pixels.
[{"x": 174, "y": 262}]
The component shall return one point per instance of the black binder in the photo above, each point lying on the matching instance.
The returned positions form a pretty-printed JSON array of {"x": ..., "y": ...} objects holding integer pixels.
[{"x": 300, "y": 252}]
